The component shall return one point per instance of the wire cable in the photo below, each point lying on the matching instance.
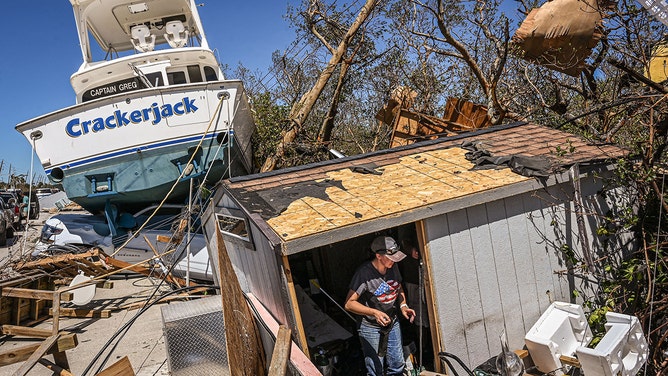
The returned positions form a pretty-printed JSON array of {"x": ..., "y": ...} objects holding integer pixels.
[{"x": 123, "y": 329}]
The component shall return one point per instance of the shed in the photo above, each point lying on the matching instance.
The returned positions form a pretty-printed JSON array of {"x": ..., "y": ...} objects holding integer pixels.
[{"x": 497, "y": 245}]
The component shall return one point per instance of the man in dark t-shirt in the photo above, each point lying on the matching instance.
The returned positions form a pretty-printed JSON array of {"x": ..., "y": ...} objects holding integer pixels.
[{"x": 376, "y": 295}]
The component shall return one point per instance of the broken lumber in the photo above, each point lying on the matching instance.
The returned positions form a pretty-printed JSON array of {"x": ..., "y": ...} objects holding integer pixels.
[{"x": 64, "y": 342}]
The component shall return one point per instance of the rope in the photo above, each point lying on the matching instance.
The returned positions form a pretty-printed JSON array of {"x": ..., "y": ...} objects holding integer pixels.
[{"x": 176, "y": 182}]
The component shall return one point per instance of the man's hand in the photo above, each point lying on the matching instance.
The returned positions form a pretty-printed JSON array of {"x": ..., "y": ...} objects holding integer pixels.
[
  {"x": 408, "y": 313},
  {"x": 382, "y": 318}
]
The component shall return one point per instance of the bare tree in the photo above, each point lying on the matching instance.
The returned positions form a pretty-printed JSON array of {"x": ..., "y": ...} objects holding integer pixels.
[{"x": 303, "y": 107}]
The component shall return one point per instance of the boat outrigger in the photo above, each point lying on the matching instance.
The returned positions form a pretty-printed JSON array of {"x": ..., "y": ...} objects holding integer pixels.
[{"x": 152, "y": 112}]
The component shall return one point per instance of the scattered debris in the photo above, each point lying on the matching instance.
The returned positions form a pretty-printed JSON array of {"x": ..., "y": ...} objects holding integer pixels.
[{"x": 561, "y": 34}]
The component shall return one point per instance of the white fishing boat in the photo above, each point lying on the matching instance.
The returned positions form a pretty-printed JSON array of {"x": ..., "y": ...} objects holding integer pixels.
[{"x": 152, "y": 109}]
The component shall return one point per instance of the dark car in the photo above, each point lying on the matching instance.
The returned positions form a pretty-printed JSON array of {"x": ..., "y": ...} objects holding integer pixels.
[
  {"x": 11, "y": 215},
  {"x": 12, "y": 201},
  {"x": 4, "y": 226},
  {"x": 34, "y": 206}
]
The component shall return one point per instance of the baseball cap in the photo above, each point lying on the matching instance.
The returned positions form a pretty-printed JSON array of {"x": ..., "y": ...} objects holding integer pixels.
[{"x": 385, "y": 245}]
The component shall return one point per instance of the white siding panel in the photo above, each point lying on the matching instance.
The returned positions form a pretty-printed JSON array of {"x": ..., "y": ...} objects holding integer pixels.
[
  {"x": 524, "y": 263},
  {"x": 546, "y": 280},
  {"x": 505, "y": 266},
  {"x": 488, "y": 285},
  {"x": 469, "y": 291},
  {"x": 445, "y": 288}
]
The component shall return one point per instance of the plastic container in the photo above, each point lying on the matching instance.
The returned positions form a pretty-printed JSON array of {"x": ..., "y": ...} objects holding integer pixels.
[
  {"x": 560, "y": 330},
  {"x": 622, "y": 351}
]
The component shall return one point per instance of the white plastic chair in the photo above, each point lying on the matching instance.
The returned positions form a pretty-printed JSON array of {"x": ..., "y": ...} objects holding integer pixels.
[
  {"x": 142, "y": 38},
  {"x": 622, "y": 350},
  {"x": 176, "y": 34},
  {"x": 560, "y": 330}
]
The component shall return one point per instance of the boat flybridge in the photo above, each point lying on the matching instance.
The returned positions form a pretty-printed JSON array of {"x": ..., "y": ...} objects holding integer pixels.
[{"x": 152, "y": 111}]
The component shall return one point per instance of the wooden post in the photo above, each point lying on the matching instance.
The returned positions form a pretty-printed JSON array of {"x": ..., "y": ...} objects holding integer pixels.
[
  {"x": 434, "y": 324},
  {"x": 281, "y": 354},
  {"x": 294, "y": 303},
  {"x": 244, "y": 347}
]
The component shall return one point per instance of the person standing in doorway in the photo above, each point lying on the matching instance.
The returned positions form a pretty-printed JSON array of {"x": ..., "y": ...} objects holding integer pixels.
[{"x": 375, "y": 294}]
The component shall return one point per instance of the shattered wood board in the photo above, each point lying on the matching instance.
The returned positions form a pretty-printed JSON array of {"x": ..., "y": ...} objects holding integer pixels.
[{"x": 414, "y": 181}]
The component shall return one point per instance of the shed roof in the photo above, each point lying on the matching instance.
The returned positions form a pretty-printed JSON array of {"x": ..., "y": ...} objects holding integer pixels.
[{"x": 316, "y": 204}]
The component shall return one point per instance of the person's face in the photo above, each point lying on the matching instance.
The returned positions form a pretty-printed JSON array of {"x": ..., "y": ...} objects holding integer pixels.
[
  {"x": 414, "y": 253},
  {"x": 386, "y": 262}
]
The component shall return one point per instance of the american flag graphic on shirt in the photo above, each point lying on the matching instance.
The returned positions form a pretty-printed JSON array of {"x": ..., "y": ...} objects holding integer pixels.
[{"x": 387, "y": 291}]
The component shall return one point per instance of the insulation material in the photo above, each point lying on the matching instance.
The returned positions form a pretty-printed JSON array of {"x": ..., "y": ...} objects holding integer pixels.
[{"x": 560, "y": 34}]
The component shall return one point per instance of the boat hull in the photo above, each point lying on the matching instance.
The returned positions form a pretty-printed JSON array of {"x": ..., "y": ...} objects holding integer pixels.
[{"x": 133, "y": 149}]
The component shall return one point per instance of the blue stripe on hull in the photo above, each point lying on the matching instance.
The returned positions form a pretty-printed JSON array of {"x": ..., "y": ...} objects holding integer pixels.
[
  {"x": 142, "y": 148},
  {"x": 135, "y": 179}
]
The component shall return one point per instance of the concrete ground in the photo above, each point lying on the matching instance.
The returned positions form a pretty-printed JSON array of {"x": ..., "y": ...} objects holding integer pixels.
[{"x": 144, "y": 342}]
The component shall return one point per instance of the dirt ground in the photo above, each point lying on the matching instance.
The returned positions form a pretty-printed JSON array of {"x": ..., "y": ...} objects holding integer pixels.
[{"x": 143, "y": 344}]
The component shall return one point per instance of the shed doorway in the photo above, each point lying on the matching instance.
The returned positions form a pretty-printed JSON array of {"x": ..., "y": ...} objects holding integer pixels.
[{"x": 321, "y": 279}]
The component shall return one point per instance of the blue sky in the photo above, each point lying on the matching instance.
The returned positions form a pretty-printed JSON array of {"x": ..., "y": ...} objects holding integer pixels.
[{"x": 41, "y": 51}]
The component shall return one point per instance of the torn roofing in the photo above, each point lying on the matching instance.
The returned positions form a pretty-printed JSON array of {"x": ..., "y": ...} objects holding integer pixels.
[{"x": 310, "y": 199}]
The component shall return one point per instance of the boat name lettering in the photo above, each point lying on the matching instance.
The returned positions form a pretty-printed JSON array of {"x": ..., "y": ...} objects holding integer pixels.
[
  {"x": 114, "y": 88},
  {"x": 154, "y": 114}
]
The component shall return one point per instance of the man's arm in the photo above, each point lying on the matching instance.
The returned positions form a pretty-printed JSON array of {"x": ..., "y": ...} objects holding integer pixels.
[{"x": 353, "y": 305}]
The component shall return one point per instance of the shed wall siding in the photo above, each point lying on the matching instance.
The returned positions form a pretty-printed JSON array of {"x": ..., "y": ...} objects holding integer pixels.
[
  {"x": 495, "y": 265},
  {"x": 257, "y": 270}
]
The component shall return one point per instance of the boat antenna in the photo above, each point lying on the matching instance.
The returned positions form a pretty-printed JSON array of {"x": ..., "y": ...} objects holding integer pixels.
[{"x": 141, "y": 75}]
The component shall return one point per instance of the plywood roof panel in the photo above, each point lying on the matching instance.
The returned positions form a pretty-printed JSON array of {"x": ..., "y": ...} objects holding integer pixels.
[{"x": 313, "y": 199}]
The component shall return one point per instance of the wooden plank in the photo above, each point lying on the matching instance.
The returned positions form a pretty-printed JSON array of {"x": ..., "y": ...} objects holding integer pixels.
[
  {"x": 24, "y": 278},
  {"x": 59, "y": 258},
  {"x": 244, "y": 347},
  {"x": 66, "y": 341},
  {"x": 105, "y": 285},
  {"x": 83, "y": 313},
  {"x": 432, "y": 308},
  {"x": 121, "y": 368},
  {"x": 142, "y": 270},
  {"x": 36, "y": 355},
  {"x": 24, "y": 331},
  {"x": 294, "y": 303},
  {"x": 60, "y": 358},
  {"x": 281, "y": 354},
  {"x": 57, "y": 370},
  {"x": 15, "y": 292},
  {"x": 302, "y": 364},
  {"x": 571, "y": 361}
]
